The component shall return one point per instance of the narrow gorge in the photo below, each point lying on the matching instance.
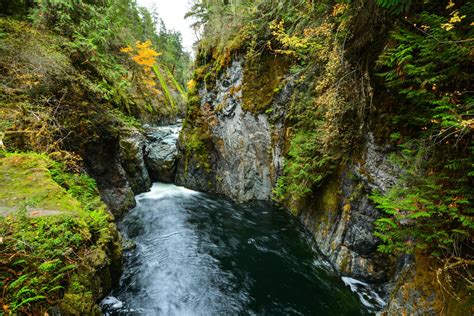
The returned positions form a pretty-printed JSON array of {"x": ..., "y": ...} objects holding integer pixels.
[{"x": 309, "y": 157}]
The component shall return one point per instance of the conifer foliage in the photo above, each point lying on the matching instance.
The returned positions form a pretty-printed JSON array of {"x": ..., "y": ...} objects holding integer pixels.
[{"x": 428, "y": 68}]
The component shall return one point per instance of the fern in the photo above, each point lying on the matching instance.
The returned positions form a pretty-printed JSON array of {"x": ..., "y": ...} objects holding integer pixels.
[
  {"x": 396, "y": 6},
  {"x": 27, "y": 301}
]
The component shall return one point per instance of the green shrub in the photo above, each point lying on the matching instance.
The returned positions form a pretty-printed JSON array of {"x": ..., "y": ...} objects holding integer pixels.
[
  {"x": 429, "y": 209},
  {"x": 428, "y": 66},
  {"x": 50, "y": 234}
]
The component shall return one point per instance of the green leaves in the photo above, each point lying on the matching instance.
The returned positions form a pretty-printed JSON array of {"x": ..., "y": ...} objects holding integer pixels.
[
  {"x": 92, "y": 34},
  {"x": 427, "y": 209},
  {"x": 396, "y": 6},
  {"x": 428, "y": 67},
  {"x": 47, "y": 252},
  {"x": 164, "y": 86},
  {"x": 305, "y": 167},
  {"x": 40, "y": 254}
]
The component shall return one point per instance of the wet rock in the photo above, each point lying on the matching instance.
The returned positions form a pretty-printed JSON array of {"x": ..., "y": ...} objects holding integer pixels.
[
  {"x": 111, "y": 302},
  {"x": 341, "y": 218},
  {"x": 415, "y": 291},
  {"x": 132, "y": 145},
  {"x": 160, "y": 160},
  {"x": 103, "y": 163},
  {"x": 125, "y": 165},
  {"x": 359, "y": 234},
  {"x": 191, "y": 175},
  {"x": 128, "y": 244},
  {"x": 161, "y": 152},
  {"x": 118, "y": 199},
  {"x": 376, "y": 170},
  {"x": 245, "y": 159}
]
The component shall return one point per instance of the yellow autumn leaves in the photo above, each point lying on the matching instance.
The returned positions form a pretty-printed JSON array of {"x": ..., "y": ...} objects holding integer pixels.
[
  {"x": 455, "y": 17},
  {"x": 144, "y": 56}
]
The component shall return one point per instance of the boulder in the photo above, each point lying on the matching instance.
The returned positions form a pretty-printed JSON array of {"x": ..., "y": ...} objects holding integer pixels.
[
  {"x": 132, "y": 145},
  {"x": 161, "y": 152}
]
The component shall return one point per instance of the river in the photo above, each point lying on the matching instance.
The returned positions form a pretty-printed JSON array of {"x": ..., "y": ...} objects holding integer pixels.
[{"x": 198, "y": 254}]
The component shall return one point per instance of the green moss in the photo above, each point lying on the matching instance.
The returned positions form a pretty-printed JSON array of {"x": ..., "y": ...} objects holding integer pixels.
[
  {"x": 327, "y": 204},
  {"x": 25, "y": 181},
  {"x": 345, "y": 264},
  {"x": 8, "y": 112},
  {"x": 79, "y": 304},
  {"x": 61, "y": 258},
  {"x": 329, "y": 198},
  {"x": 262, "y": 78},
  {"x": 196, "y": 135},
  {"x": 197, "y": 146},
  {"x": 127, "y": 120},
  {"x": 207, "y": 74}
]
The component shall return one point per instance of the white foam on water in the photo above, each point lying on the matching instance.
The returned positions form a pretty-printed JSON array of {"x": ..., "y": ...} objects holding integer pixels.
[
  {"x": 111, "y": 302},
  {"x": 164, "y": 190},
  {"x": 369, "y": 298}
]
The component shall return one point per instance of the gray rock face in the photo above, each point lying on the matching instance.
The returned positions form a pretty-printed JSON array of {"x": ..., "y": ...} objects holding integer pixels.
[
  {"x": 194, "y": 177},
  {"x": 342, "y": 223},
  {"x": 124, "y": 165},
  {"x": 243, "y": 170},
  {"x": 119, "y": 199},
  {"x": 161, "y": 152},
  {"x": 378, "y": 173},
  {"x": 103, "y": 163},
  {"x": 244, "y": 156},
  {"x": 221, "y": 97},
  {"x": 341, "y": 218},
  {"x": 415, "y": 290},
  {"x": 246, "y": 159},
  {"x": 132, "y": 145}
]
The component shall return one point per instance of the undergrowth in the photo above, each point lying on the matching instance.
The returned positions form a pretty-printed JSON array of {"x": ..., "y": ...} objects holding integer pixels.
[
  {"x": 41, "y": 252},
  {"x": 428, "y": 66}
]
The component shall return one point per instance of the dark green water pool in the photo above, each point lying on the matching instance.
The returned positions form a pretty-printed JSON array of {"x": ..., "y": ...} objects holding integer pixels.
[{"x": 198, "y": 254}]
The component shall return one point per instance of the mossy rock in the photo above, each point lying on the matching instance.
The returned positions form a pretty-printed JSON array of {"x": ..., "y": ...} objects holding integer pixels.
[
  {"x": 262, "y": 78},
  {"x": 65, "y": 248},
  {"x": 25, "y": 182}
]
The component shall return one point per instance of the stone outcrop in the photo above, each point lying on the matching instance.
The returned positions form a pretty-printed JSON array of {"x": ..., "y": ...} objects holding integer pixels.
[
  {"x": 245, "y": 160},
  {"x": 341, "y": 216},
  {"x": 132, "y": 144},
  {"x": 161, "y": 152},
  {"x": 124, "y": 165},
  {"x": 104, "y": 165},
  {"x": 246, "y": 156}
]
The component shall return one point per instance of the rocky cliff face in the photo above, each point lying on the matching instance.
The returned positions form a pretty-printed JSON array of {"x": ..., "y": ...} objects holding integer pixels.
[
  {"x": 125, "y": 162},
  {"x": 245, "y": 156},
  {"x": 244, "y": 160},
  {"x": 341, "y": 216},
  {"x": 161, "y": 152},
  {"x": 292, "y": 105}
]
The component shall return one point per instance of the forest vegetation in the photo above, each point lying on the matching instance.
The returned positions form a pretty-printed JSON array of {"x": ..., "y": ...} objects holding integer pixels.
[
  {"x": 72, "y": 69},
  {"x": 412, "y": 88}
]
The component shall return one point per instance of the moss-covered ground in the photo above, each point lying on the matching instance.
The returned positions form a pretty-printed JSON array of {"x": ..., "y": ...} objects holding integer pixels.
[
  {"x": 25, "y": 182},
  {"x": 57, "y": 243}
]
